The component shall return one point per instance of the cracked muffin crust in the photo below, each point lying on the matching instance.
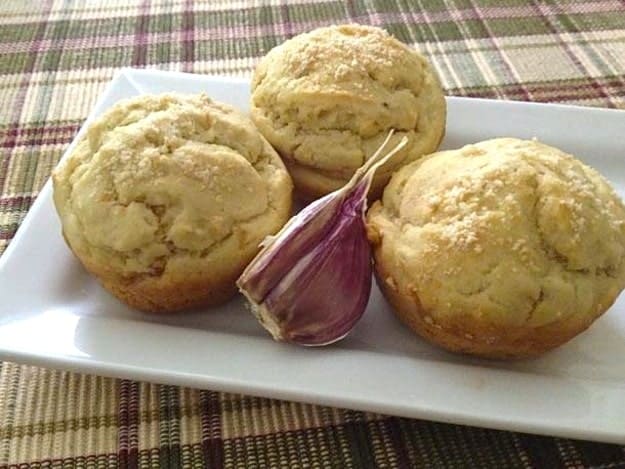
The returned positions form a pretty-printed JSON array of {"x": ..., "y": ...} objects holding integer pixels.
[
  {"x": 167, "y": 197},
  {"x": 505, "y": 248},
  {"x": 327, "y": 99}
]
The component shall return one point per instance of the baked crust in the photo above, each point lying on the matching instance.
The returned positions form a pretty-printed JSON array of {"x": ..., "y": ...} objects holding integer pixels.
[
  {"x": 504, "y": 249},
  {"x": 463, "y": 334},
  {"x": 167, "y": 198},
  {"x": 327, "y": 99}
]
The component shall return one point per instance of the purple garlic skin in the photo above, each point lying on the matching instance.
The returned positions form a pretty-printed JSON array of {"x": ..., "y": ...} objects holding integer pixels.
[
  {"x": 299, "y": 235},
  {"x": 310, "y": 284},
  {"x": 329, "y": 284}
]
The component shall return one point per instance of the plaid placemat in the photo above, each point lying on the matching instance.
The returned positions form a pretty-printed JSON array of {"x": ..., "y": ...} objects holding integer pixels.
[{"x": 56, "y": 57}]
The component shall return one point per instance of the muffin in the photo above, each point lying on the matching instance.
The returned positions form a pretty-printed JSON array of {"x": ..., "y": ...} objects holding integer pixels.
[
  {"x": 327, "y": 99},
  {"x": 166, "y": 199},
  {"x": 505, "y": 249}
]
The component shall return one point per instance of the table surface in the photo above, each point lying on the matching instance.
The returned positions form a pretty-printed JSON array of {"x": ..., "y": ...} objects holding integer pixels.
[{"x": 56, "y": 57}]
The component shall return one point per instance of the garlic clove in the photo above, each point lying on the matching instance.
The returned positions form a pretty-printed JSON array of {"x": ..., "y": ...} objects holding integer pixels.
[
  {"x": 325, "y": 293},
  {"x": 310, "y": 283},
  {"x": 300, "y": 234}
]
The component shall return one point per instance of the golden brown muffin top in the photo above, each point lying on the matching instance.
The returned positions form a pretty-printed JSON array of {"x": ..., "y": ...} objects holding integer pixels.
[
  {"x": 514, "y": 232},
  {"x": 327, "y": 99},
  {"x": 161, "y": 176}
]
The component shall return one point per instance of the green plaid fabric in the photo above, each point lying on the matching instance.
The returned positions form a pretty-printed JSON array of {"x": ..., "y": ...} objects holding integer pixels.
[{"x": 56, "y": 57}]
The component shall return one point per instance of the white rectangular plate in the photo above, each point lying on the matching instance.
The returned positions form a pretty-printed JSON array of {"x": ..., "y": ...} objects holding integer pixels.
[{"x": 52, "y": 313}]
